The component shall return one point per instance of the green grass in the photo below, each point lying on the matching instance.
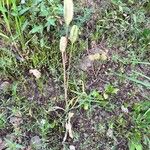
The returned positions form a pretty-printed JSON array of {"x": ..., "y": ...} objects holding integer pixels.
[{"x": 111, "y": 108}]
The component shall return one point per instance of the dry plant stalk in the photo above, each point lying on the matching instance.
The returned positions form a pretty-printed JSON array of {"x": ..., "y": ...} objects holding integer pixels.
[
  {"x": 62, "y": 47},
  {"x": 68, "y": 16}
]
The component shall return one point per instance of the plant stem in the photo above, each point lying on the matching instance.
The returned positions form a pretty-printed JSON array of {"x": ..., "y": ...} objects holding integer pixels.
[
  {"x": 70, "y": 56},
  {"x": 67, "y": 31},
  {"x": 65, "y": 79}
]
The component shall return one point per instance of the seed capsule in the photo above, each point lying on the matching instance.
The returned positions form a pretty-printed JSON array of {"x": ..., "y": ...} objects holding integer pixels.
[{"x": 63, "y": 44}]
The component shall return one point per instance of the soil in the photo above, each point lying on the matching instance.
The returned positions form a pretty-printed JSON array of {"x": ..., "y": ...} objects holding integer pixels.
[
  {"x": 92, "y": 128},
  {"x": 99, "y": 74}
]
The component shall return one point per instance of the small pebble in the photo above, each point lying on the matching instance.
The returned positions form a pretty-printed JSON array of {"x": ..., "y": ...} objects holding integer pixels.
[
  {"x": 71, "y": 147},
  {"x": 5, "y": 86}
]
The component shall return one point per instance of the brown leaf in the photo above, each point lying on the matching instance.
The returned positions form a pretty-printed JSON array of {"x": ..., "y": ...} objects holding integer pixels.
[
  {"x": 68, "y": 127},
  {"x": 35, "y": 72},
  {"x": 95, "y": 56}
]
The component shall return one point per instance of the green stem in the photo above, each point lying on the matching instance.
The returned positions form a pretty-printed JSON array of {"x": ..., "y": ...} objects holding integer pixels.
[{"x": 67, "y": 31}]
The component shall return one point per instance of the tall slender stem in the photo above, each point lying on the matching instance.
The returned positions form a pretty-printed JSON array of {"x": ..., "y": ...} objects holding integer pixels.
[
  {"x": 67, "y": 31},
  {"x": 65, "y": 78},
  {"x": 70, "y": 56}
]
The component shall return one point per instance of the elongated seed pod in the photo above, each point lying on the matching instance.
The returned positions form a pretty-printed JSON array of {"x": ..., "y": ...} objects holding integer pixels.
[
  {"x": 63, "y": 44},
  {"x": 68, "y": 11},
  {"x": 74, "y": 34}
]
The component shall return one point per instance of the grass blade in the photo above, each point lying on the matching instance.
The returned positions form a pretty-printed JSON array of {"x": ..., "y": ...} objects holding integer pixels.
[{"x": 4, "y": 36}]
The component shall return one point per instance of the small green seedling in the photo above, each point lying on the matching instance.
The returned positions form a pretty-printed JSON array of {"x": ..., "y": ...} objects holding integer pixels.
[{"x": 2, "y": 121}]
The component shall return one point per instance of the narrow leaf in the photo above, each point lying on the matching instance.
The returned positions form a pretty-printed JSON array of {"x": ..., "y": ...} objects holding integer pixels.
[{"x": 4, "y": 36}]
